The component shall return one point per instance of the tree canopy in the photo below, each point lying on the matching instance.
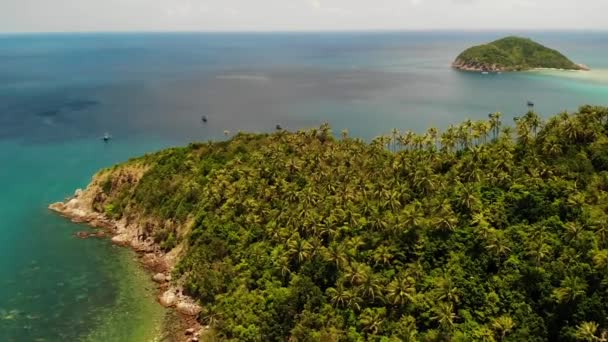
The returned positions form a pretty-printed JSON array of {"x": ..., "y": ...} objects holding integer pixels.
[{"x": 483, "y": 232}]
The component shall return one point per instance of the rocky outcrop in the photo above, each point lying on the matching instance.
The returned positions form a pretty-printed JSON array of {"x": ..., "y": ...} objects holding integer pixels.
[
  {"x": 79, "y": 209},
  {"x": 584, "y": 67},
  {"x": 186, "y": 308},
  {"x": 159, "y": 278},
  {"x": 174, "y": 297},
  {"x": 477, "y": 67},
  {"x": 168, "y": 298}
]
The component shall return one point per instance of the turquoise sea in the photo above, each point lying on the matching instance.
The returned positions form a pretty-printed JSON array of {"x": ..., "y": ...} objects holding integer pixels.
[{"x": 59, "y": 93}]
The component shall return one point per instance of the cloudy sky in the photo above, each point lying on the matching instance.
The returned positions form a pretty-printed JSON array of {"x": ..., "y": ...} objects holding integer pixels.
[{"x": 263, "y": 15}]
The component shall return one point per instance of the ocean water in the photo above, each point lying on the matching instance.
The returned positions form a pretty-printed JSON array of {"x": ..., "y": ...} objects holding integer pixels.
[{"x": 59, "y": 93}]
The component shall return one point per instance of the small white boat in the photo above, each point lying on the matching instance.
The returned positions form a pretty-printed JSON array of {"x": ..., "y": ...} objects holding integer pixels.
[
  {"x": 106, "y": 137},
  {"x": 484, "y": 72}
]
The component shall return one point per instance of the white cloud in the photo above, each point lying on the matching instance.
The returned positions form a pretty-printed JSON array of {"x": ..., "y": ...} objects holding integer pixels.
[{"x": 317, "y": 6}]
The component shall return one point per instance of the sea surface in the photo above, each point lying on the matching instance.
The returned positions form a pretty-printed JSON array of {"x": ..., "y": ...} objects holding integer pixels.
[{"x": 59, "y": 94}]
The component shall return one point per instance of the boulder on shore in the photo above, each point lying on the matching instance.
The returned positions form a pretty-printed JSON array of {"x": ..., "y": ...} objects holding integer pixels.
[
  {"x": 167, "y": 299},
  {"x": 121, "y": 239},
  {"x": 159, "y": 278},
  {"x": 189, "y": 309}
]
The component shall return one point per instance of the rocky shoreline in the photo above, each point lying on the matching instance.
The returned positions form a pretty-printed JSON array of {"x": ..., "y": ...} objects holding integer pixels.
[
  {"x": 461, "y": 65},
  {"x": 171, "y": 295},
  {"x": 480, "y": 67}
]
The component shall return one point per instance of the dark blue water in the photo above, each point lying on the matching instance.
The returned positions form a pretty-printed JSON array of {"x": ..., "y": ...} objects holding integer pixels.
[{"x": 60, "y": 93}]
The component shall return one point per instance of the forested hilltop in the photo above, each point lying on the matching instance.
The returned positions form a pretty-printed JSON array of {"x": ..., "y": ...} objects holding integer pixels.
[
  {"x": 513, "y": 54},
  {"x": 484, "y": 232}
]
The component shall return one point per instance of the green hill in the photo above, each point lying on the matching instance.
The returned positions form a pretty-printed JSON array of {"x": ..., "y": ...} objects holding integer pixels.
[
  {"x": 512, "y": 54},
  {"x": 484, "y": 232}
]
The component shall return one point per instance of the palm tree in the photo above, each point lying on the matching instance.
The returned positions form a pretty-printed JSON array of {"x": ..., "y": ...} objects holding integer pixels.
[
  {"x": 401, "y": 290},
  {"x": 573, "y": 230},
  {"x": 395, "y": 139},
  {"x": 446, "y": 290},
  {"x": 600, "y": 228},
  {"x": 383, "y": 255},
  {"x": 433, "y": 134},
  {"x": 448, "y": 140},
  {"x": 570, "y": 290},
  {"x": 503, "y": 325},
  {"x": 357, "y": 273},
  {"x": 444, "y": 315},
  {"x": 370, "y": 285},
  {"x": 298, "y": 248},
  {"x": 533, "y": 121},
  {"x": 587, "y": 331},
  {"x": 497, "y": 244},
  {"x": 539, "y": 250},
  {"x": 552, "y": 146},
  {"x": 600, "y": 260},
  {"x": 495, "y": 123},
  {"x": 336, "y": 254},
  {"x": 344, "y": 134},
  {"x": 371, "y": 320},
  {"x": 411, "y": 216},
  {"x": 338, "y": 296}
]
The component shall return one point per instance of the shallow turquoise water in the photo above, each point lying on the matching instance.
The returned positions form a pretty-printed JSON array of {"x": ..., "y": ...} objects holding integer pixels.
[
  {"x": 54, "y": 286},
  {"x": 60, "y": 93}
]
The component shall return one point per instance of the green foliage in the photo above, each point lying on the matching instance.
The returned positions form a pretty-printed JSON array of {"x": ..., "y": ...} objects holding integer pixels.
[
  {"x": 483, "y": 232},
  {"x": 109, "y": 209},
  {"x": 515, "y": 53}
]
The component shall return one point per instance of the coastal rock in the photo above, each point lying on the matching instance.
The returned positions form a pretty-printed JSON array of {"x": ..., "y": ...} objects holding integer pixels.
[
  {"x": 159, "y": 278},
  {"x": 154, "y": 262},
  {"x": 470, "y": 66},
  {"x": 189, "y": 309},
  {"x": 86, "y": 235},
  {"x": 58, "y": 207},
  {"x": 121, "y": 239},
  {"x": 584, "y": 67},
  {"x": 168, "y": 298},
  {"x": 130, "y": 232},
  {"x": 74, "y": 203}
]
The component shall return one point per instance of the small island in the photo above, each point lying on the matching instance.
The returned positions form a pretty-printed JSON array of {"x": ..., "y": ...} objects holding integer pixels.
[{"x": 513, "y": 54}]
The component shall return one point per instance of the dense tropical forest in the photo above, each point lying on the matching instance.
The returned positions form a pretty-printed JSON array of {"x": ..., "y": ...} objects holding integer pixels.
[
  {"x": 513, "y": 54},
  {"x": 484, "y": 232}
]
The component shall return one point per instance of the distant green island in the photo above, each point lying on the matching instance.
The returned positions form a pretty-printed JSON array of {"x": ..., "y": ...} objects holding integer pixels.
[
  {"x": 513, "y": 54},
  {"x": 483, "y": 232}
]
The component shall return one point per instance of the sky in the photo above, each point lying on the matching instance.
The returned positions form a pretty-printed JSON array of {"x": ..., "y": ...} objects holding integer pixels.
[{"x": 298, "y": 15}]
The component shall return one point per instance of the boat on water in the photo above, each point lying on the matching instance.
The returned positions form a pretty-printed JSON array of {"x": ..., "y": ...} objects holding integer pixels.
[
  {"x": 204, "y": 118},
  {"x": 106, "y": 137},
  {"x": 484, "y": 72},
  {"x": 530, "y": 104},
  {"x": 278, "y": 127}
]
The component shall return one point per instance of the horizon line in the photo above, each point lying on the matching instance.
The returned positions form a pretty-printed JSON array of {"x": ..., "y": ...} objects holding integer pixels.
[{"x": 421, "y": 30}]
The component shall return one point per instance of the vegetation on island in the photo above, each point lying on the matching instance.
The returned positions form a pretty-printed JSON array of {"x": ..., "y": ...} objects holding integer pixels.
[
  {"x": 484, "y": 232},
  {"x": 512, "y": 54}
]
